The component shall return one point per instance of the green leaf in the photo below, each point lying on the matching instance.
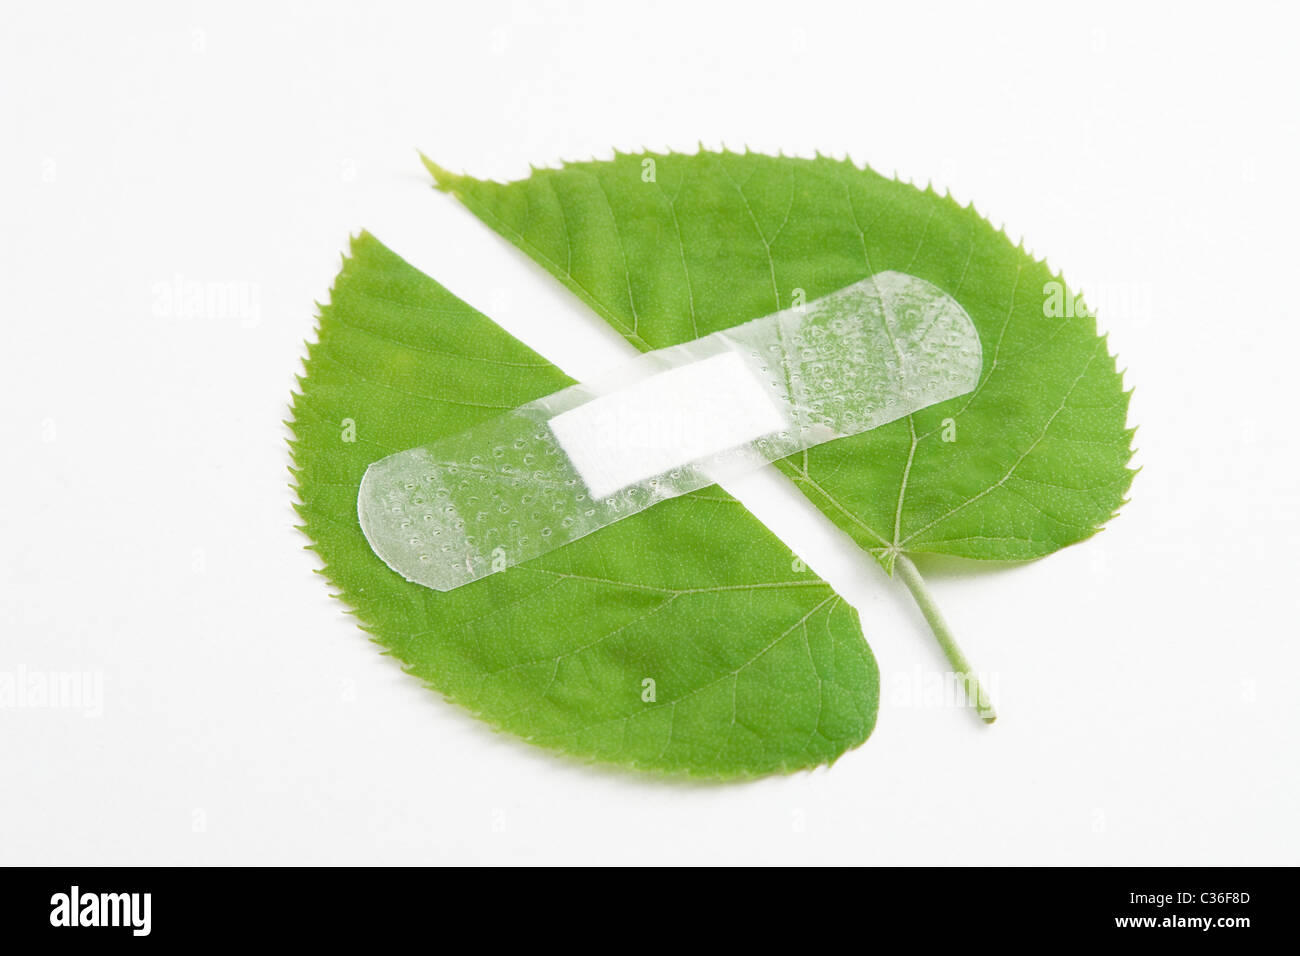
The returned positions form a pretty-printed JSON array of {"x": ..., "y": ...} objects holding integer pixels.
[
  {"x": 670, "y": 247},
  {"x": 756, "y": 667}
]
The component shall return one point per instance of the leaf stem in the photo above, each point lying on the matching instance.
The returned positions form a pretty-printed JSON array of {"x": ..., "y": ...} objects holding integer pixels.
[{"x": 925, "y": 601}]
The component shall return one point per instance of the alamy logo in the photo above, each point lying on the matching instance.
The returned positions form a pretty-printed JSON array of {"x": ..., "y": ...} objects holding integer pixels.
[{"x": 101, "y": 909}]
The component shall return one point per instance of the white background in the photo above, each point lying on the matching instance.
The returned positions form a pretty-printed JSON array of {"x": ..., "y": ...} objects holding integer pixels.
[{"x": 1146, "y": 679}]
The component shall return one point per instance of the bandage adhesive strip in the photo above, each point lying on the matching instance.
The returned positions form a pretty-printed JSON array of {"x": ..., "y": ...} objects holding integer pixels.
[{"x": 666, "y": 423}]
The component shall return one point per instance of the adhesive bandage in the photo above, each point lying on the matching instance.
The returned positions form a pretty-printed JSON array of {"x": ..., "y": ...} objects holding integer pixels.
[{"x": 668, "y": 422}]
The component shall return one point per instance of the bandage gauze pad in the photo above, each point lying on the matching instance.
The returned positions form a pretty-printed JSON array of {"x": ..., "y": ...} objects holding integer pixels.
[{"x": 668, "y": 422}]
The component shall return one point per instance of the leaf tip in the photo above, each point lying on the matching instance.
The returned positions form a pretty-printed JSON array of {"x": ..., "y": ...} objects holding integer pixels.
[{"x": 443, "y": 179}]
